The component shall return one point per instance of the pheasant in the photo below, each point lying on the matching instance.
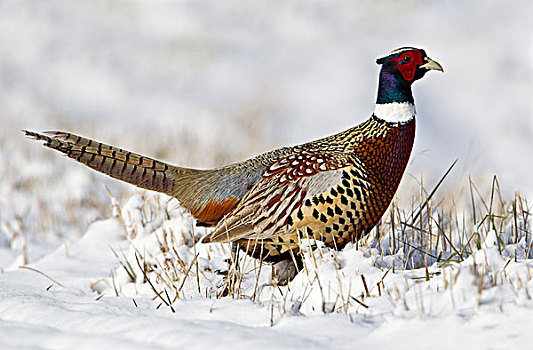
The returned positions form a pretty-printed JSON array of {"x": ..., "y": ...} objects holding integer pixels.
[{"x": 333, "y": 189}]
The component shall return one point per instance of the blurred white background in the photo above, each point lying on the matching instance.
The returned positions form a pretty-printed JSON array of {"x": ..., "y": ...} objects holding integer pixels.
[{"x": 202, "y": 83}]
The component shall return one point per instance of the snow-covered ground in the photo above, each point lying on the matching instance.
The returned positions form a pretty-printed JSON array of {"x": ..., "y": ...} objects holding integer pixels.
[
  {"x": 483, "y": 302},
  {"x": 203, "y": 83}
]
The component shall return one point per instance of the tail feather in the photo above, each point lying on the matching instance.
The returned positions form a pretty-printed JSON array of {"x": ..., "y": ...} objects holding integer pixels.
[{"x": 127, "y": 166}]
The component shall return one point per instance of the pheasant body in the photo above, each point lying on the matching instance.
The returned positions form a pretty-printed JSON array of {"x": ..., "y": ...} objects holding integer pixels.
[
  {"x": 334, "y": 189},
  {"x": 338, "y": 194}
]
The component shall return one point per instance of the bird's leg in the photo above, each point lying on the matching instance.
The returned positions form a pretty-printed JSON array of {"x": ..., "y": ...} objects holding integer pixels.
[{"x": 286, "y": 270}]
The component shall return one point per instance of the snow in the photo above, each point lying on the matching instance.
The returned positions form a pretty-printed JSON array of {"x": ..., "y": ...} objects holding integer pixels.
[
  {"x": 204, "y": 84},
  {"x": 482, "y": 302}
]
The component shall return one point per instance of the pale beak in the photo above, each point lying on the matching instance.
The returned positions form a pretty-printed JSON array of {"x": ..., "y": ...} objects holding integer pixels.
[{"x": 432, "y": 65}]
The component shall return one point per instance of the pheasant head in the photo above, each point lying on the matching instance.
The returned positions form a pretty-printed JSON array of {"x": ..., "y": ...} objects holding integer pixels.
[{"x": 399, "y": 70}]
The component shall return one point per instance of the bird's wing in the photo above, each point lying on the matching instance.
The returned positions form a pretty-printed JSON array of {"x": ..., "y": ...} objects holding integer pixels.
[
  {"x": 207, "y": 194},
  {"x": 266, "y": 210}
]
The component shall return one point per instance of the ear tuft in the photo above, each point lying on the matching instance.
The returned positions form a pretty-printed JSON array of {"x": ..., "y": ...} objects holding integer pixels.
[{"x": 381, "y": 60}]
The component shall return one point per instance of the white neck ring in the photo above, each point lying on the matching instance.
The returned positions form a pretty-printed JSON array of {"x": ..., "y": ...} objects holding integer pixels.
[{"x": 395, "y": 112}]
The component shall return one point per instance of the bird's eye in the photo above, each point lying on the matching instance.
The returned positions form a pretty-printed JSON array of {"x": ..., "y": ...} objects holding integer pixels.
[{"x": 406, "y": 58}]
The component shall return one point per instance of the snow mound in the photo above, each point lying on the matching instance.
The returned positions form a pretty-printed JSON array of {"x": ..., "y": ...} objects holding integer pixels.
[{"x": 364, "y": 282}]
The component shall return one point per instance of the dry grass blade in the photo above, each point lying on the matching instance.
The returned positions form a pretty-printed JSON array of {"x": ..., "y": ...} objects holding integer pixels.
[
  {"x": 42, "y": 274},
  {"x": 147, "y": 279},
  {"x": 428, "y": 198},
  {"x": 419, "y": 249},
  {"x": 127, "y": 266},
  {"x": 359, "y": 302},
  {"x": 185, "y": 277},
  {"x": 448, "y": 240}
]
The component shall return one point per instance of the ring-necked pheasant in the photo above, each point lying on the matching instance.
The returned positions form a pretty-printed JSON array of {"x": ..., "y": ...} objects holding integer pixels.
[{"x": 334, "y": 189}]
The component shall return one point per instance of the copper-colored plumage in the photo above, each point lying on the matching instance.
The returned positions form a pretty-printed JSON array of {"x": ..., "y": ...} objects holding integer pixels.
[{"x": 214, "y": 210}]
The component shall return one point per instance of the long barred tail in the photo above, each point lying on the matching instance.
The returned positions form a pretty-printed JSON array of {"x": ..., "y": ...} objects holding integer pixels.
[
  {"x": 208, "y": 194},
  {"x": 123, "y": 165}
]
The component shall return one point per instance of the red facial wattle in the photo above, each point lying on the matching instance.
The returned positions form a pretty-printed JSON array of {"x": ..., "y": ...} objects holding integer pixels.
[{"x": 407, "y": 63}]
